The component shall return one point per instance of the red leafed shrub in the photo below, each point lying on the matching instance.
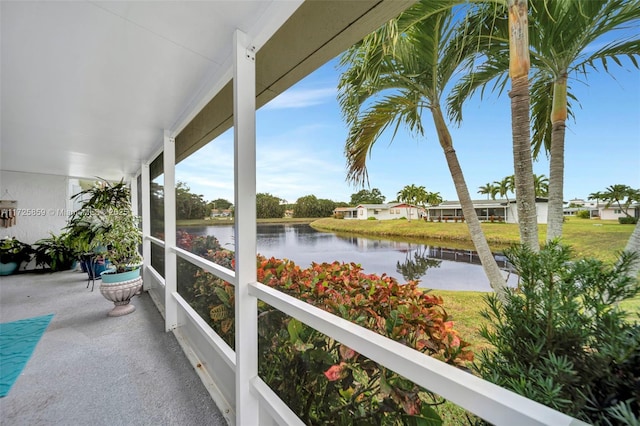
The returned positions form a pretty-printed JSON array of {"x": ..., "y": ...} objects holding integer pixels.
[
  {"x": 323, "y": 381},
  {"x": 402, "y": 312}
]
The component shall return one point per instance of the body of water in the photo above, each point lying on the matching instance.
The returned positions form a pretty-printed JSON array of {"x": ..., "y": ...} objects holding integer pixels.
[{"x": 435, "y": 267}]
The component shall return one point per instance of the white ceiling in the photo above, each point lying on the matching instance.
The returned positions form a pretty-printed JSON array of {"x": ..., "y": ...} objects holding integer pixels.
[{"x": 87, "y": 88}]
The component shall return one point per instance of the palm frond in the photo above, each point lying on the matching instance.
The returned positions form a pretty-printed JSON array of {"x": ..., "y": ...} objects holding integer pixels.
[
  {"x": 615, "y": 51},
  {"x": 402, "y": 108},
  {"x": 496, "y": 71},
  {"x": 485, "y": 38}
]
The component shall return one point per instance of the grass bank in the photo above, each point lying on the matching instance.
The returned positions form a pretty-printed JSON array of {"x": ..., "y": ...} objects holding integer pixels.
[{"x": 601, "y": 239}]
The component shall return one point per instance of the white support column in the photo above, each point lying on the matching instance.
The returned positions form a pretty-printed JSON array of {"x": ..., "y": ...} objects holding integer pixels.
[
  {"x": 244, "y": 122},
  {"x": 146, "y": 223},
  {"x": 133, "y": 185},
  {"x": 170, "y": 260}
]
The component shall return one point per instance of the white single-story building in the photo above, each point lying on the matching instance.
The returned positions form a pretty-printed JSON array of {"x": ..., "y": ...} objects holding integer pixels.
[
  {"x": 380, "y": 211},
  {"x": 487, "y": 211},
  {"x": 613, "y": 212}
]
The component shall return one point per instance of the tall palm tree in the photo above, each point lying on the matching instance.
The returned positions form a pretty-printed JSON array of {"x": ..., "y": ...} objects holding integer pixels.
[
  {"x": 391, "y": 78},
  {"x": 502, "y": 44},
  {"x": 519, "y": 64},
  {"x": 566, "y": 53},
  {"x": 567, "y": 38}
]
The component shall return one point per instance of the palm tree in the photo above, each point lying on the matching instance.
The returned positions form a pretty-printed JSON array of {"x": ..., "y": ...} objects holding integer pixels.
[
  {"x": 433, "y": 198},
  {"x": 541, "y": 185},
  {"x": 565, "y": 54},
  {"x": 565, "y": 42},
  {"x": 618, "y": 194},
  {"x": 519, "y": 64},
  {"x": 412, "y": 195},
  {"x": 489, "y": 189},
  {"x": 502, "y": 44},
  {"x": 506, "y": 185},
  {"x": 596, "y": 196},
  {"x": 633, "y": 246},
  {"x": 391, "y": 78}
]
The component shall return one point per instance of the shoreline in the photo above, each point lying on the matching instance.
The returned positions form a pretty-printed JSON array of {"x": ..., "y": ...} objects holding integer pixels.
[
  {"x": 600, "y": 239},
  {"x": 224, "y": 222}
]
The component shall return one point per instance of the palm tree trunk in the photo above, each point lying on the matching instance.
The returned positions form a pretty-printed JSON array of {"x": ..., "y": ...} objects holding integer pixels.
[
  {"x": 520, "y": 122},
  {"x": 556, "y": 159},
  {"x": 488, "y": 261},
  {"x": 633, "y": 245}
]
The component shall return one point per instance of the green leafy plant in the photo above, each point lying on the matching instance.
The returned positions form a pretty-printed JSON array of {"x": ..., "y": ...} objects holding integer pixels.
[
  {"x": 560, "y": 338},
  {"x": 106, "y": 220},
  {"x": 55, "y": 252},
  {"x": 122, "y": 239},
  {"x": 13, "y": 250}
]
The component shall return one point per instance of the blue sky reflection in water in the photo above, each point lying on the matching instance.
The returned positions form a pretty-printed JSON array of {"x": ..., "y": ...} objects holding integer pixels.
[{"x": 304, "y": 245}]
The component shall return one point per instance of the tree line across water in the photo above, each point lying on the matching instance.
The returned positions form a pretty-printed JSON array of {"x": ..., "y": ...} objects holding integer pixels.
[{"x": 268, "y": 206}]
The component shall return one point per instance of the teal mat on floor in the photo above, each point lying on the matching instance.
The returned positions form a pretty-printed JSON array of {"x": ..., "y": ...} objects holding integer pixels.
[{"x": 18, "y": 339}]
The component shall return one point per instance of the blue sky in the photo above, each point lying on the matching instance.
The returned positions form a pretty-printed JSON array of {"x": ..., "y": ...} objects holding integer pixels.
[{"x": 301, "y": 136}]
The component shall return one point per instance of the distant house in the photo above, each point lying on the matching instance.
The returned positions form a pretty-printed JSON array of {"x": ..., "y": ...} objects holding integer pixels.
[
  {"x": 379, "y": 211},
  {"x": 613, "y": 212},
  {"x": 577, "y": 204},
  {"x": 487, "y": 211},
  {"x": 221, "y": 212}
]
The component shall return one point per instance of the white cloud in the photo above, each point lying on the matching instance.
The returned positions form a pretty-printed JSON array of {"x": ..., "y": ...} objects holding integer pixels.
[{"x": 300, "y": 98}]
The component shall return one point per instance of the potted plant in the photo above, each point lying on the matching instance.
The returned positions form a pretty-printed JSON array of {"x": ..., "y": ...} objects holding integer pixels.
[
  {"x": 12, "y": 253},
  {"x": 82, "y": 230},
  {"x": 55, "y": 252},
  {"x": 106, "y": 220}
]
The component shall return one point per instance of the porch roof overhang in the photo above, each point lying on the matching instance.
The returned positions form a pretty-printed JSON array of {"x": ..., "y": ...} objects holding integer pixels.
[{"x": 89, "y": 87}]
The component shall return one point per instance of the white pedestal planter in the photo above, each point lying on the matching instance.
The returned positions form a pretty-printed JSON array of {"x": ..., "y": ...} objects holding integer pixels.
[{"x": 119, "y": 289}]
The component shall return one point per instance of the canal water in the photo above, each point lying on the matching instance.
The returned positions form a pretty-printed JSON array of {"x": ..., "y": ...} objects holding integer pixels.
[{"x": 435, "y": 267}]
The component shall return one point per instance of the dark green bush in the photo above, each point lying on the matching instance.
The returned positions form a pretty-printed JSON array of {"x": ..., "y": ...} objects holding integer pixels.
[
  {"x": 627, "y": 220},
  {"x": 560, "y": 338},
  {"x": 371, "y": 218}
]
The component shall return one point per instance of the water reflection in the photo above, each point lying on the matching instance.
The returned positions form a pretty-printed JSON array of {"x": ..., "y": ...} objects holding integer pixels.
[
  {"x": 415, "y": 264},
  {"x": 456, "y": 269}
]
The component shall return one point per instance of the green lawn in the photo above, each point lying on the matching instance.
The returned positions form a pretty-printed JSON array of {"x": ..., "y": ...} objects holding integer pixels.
[{"x": 601, "y": 239}]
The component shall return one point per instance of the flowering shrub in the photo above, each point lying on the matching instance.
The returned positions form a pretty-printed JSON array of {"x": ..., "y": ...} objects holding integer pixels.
[{"x": 323, "y": 381}]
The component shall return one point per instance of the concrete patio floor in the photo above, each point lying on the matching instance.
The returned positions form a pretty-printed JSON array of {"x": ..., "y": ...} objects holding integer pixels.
[{"x": 90, "y": 369}]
